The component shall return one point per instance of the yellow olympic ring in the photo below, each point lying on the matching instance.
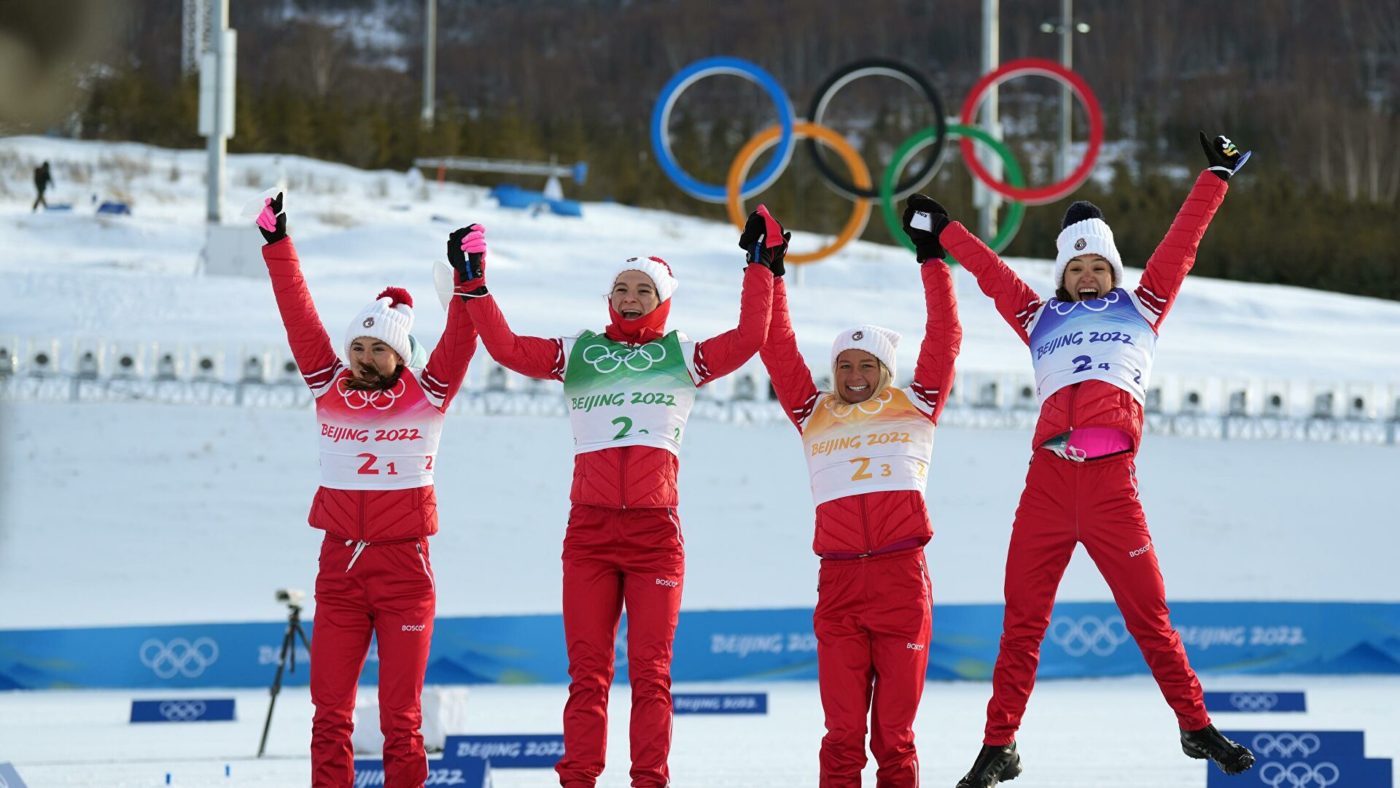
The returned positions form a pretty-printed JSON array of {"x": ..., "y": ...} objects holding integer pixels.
[{"x": 764, "y": 140}]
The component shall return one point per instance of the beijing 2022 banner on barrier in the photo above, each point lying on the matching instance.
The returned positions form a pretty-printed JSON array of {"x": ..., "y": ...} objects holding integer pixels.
[{"x": 1085, "y": 639}]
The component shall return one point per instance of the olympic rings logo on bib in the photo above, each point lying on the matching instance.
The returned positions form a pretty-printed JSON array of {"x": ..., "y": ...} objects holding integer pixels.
[
  {"x": 637, "y": 359},
  {"x": 1093, "y": 305},
  {"x": 869, "y": 407},
  {"x": 357, "y": 399},
  {"x": 739, "y": 186}
]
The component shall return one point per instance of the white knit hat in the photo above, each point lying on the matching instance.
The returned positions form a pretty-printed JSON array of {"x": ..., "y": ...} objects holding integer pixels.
[
  {"x": 878, "y": 342},
  {"x": 659, "y": 270},
  {"x": 1085, "y": 232},
  {"x": 388, "y": 318}
]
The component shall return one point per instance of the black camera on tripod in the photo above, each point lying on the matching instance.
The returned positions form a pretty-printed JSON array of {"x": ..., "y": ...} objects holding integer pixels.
[
  {"x": 291, "y": 597},
  {"x": 287, "y": 654}
]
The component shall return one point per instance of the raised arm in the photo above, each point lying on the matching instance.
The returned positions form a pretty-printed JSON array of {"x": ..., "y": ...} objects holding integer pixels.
[
  {"x": 723, "y": 353},
  {"x": 1174, "y": 257},
  {"x": 447, "y": 366},
  {"x": 534, "y": 357},
  {"x": 933, "y": 373},
  {"x": 765, "y": 246},
  {"x": 792, "y": 379},
  {"x": 928, "y": 225},
  {"x": 306, "y": 335}
]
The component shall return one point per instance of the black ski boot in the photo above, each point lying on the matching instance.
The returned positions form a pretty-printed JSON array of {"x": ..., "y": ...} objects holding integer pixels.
[
  {"x": 993, "y": 765},
  {"x": 1208, "y": 744}
]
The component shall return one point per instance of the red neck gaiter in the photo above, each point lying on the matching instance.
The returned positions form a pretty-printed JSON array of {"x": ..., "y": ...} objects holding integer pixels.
[{"x": 644, "y": 329}]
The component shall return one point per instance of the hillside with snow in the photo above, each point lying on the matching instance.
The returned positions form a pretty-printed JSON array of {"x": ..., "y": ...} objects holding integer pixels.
[{"x": 119, "y": 512}]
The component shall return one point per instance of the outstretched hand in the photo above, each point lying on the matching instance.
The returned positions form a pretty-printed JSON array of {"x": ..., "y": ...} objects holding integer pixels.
[
  {"x": 272, "y": 222},
  {"x": 1224, "y": 157},
  {"x": 924, "y": 220},
  {"x": 764, "y": 240}
]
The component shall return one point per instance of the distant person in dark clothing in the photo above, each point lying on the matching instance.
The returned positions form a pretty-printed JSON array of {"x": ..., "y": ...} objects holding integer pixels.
[{"x": 43, "y": 179}]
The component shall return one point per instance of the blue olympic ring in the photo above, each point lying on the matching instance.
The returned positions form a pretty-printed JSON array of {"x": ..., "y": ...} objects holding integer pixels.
[{"x": 661, "y": 118}]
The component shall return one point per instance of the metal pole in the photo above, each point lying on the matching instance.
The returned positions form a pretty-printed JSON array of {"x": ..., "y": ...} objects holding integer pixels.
[
  {"x": 218, "y": 144},
  {"x": 429, "y": 59},
  {"x": 987, "y": 200},
  {"x": 1067, "y": 60}
]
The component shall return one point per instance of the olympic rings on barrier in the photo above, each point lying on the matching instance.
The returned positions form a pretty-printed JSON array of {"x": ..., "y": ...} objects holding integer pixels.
[
  {"x": 886, "y": 68},
  {"x": 1047, "y": 68},
  {"x": 661, "y": 118},
  {"x": 860, "y": 213},
  {"x": 1009, "y": 226}
]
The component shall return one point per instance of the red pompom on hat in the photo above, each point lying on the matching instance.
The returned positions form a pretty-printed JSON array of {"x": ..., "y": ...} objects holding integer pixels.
[{"x": 397, "y": 295}]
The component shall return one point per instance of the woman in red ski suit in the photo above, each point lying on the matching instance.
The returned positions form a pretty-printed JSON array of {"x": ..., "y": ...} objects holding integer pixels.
[
  {"x": 629, "y": 390},
  {"x": 868, "y": 446},
  {"x": 379, "y": 427},
  {"x": 1091, "y": 347}
]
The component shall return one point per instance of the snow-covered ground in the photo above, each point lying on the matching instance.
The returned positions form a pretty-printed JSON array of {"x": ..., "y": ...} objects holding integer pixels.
[
  {"x": 1111, "y": 733},
  {"x": 126, "y": 513}
]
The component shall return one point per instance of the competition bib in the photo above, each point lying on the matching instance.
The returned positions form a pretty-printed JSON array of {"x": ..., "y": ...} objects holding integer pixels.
[
  {"x": 1104, "y": 339},
  {"x": 628, "y": 395},
  {"x": 377, "y": 440},
  {"x": 881, "y": 444}
]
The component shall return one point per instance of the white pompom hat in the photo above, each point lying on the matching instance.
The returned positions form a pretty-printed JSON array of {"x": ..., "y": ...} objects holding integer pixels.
[
  {"x": 659, "y": 270},
  {"x": 878, "y": 342},
  {"x": 389, "y": 318},
  {"x": 1085, "y": 232}
]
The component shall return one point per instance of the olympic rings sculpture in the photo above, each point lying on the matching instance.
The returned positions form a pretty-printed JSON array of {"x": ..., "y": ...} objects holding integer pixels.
[{"x": 859, "y": 189}]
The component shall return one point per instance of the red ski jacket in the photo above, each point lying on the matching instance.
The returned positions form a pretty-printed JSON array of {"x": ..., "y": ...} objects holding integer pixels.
[
  {"x": 1094, "y": 403},
  {"x": 871, "y": 523},
  {"x": 628, "y": 477},
  {"x": 366, "y": 515}
]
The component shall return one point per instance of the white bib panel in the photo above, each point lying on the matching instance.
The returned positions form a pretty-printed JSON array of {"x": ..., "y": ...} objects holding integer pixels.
[
  {"x": 1104, "y": 339},
  {"x": 881, "y": 444},
  {"x": 628, "y": 395},
  {"x": 378, "y": 440}
]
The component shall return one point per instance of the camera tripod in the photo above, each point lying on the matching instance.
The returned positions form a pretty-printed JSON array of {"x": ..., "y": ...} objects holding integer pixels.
[{"x": 286, "y": 655}]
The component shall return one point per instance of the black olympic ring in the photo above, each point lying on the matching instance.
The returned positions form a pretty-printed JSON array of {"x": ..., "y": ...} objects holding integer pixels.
[{"x": 870, "y": 68}]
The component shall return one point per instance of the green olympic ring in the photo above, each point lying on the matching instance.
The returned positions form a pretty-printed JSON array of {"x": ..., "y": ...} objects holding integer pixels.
[{"x": 1009, "y": 226}]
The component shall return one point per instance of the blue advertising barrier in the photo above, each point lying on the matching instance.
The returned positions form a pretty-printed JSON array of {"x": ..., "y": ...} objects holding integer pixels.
[
  {"x": 183, "y": 710},
  {"x": 720, "y": 703},
  {"x": 10, "y": 778},
  {"x": 1085, "y": 639},
  {"x": 508, "y": 751},
  {"x": 466, "y": 772},
  {"x": 1326, "y": 759},
  {"x": 1255, "y": 702}
]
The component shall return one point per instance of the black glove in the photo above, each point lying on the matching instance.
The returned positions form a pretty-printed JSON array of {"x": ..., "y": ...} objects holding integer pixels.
[
  {"x": 758, "y": 240},
  {"x": 272, "y": 223},
  {"x": 470, "y": 267},
  {"x": 1225, "y": 159},
  {"x": 924, "y": 220}
]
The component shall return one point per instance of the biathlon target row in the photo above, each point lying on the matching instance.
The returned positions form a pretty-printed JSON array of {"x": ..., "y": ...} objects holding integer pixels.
[{"x": 859, "y": 188}]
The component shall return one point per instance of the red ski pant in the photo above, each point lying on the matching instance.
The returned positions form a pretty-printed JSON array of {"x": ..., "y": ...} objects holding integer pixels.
[
  {"x": 873, "y": 621},
  {"x": 388, "y": 593},
  {"x": 614, "y": 557},
  {"x": 1094, "y": 503}
]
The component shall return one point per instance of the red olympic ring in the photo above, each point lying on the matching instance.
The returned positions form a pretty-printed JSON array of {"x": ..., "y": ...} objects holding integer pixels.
[{"x": 1048, "y": 68}]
